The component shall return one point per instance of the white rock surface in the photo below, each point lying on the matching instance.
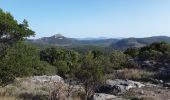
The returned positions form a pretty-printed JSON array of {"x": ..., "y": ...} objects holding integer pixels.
[
  {"x": 128, "y": 84},
  {"x": 102, "y": 96},
  {"x": 122, "y": 86},
  {"x": 46, "y": 79}
]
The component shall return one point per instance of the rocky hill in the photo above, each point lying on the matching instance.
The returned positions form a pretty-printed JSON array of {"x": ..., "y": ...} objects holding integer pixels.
[{"x": 60, "y": 40}]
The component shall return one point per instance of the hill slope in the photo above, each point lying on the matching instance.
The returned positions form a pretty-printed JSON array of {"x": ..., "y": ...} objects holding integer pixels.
[
  {"x": 138, "y": 42},
  {"x": 59, "y": 40}
]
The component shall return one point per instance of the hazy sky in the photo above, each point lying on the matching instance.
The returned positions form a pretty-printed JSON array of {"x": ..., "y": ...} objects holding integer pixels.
[{"x": 93, "y": 18}]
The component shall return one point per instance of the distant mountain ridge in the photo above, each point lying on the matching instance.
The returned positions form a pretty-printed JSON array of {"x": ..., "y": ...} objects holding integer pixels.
[
  {"x": 60, "y": 40},
  {"x": 138, "y": 42}
]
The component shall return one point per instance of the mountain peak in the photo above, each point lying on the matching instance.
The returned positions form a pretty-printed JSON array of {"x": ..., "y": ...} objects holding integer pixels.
[{"x": 58, "y": 36}]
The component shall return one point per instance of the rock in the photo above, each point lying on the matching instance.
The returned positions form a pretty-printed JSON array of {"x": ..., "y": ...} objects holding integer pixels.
[
  {"x": 102, "y": 96},
  {"x": 128, "y": 84},
  {"x": 150, "y": 85},
  {"x": 138, "y": 84},
  {"x": 46, "y": 79},
  {"x": 118, "y": 86},
  {"x": 167, "y": 85},
  {"x": 148, "y": 63},
  {"x": 156, "y": 81},
  {"x": 105, "y": 89},
  {"x": 35, "y": 86},
  {"x": 141, "y": 92},
  {"x": 161, "y": 81}
]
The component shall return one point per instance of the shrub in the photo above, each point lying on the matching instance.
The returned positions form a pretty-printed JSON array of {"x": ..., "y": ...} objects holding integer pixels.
[
  {"x": 154, "y": 51},
  {"x": 91, "y": 73},
  {"x": 62, "y": 68},
  {"x": 65, "y": 61},
  {"x": 118, "y": 59},
  {"x": 21, "y": 60},
  {"x": 133, "y": 52}
]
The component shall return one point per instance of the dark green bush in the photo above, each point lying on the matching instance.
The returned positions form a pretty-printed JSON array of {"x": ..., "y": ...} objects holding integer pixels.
[
  {"x": 91, "y": 73},
  {"x": 118, "y": 59},
  {"x": 65, "y": 61},
  {"x": 22, "y": 60},
  {"x": 133, "y": 52}
]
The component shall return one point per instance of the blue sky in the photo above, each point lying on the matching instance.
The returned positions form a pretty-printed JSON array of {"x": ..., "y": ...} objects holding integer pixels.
[{"x": 93, "y": 18}]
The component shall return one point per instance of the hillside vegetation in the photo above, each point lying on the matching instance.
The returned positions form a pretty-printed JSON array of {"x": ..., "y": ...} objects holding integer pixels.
[{"x": 89, "y": 67}]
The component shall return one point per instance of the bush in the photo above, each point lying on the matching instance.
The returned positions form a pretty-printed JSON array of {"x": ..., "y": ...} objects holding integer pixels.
[
  {"x": 65, "y": 61},
  {"x": 91, "y": 73},
  {"x": 62, "y": 68},
  {"x": 133, "y": 52},
  {"x": 22, "y": 60},
  {"x": 118, "y": 59},
  {"x": 155, "y": 51}
]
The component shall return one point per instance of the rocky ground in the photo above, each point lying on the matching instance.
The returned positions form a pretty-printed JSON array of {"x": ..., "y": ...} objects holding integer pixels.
[
  {"x": 145, "y": 91},
  {"x": 149, "y": 93},
  {"x": 40, "y": 87}
]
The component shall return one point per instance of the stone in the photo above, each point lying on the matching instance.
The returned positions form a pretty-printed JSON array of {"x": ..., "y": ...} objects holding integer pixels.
[
  {"x": 166, "y": 85},
  {"x": 46, "y": 79},
  {"x": 103, "y": 96},
  {"x": 141, "y": 92},
  {"x": 128, "y": 84},
  {"x": 119, "y": 86},
  {"x": 156, "y": 81}
]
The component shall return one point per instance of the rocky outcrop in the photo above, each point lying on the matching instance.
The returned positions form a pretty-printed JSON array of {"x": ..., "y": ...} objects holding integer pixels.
[
  {"x": 46, "y": 79},
  {"x": 32, "y": 88},
  {"x": 119, "y": 86},
  {"x": 102, "y": 96}
]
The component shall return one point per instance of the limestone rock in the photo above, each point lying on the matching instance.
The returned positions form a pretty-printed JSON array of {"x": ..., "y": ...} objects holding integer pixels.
[{"x": 102, "y": 96}]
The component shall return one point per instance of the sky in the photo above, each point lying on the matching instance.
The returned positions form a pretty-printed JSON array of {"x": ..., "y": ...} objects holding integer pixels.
[{"x": 93, "y": 18}]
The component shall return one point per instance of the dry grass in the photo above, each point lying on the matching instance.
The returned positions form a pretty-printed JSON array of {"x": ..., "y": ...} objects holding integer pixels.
[
  {"x": 7, "y": 98},
  {"x": 132, "y": 74},
  {"x": 58, "y": 93},
  {"x": 67, "y": 92},
  {"x": 23, "y": 88}
]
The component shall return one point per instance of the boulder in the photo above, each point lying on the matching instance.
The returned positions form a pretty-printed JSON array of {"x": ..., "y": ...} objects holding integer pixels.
[
  {"x": 128, "y": 84},
  {"x": 166, "y": 85},
  {"x": 102, "y": 96},
  {"x": 156, "y": 81},
  {"x": 119, "y": 86},
  {"x": 46, "y": 79}
]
